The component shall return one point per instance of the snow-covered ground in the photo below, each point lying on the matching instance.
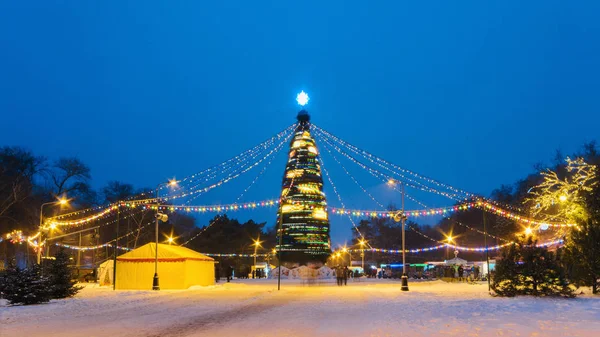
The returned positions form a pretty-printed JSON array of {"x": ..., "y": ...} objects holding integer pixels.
[{"x": 256, "y": 308}]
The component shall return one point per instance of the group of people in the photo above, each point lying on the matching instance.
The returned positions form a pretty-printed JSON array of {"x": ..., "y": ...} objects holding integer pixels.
[
  {"x": 463, "y": 273},
  {"x": 258, "y": 273},
  {"x": 342, "y": 273}
]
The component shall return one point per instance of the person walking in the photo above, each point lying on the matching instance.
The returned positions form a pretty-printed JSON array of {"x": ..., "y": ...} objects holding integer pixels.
[
  {"x": 229, "y": 273},
  {"x": 461, "y": 272},
  {"x": 346, "y": 274},
  {"x": 339, "y": 275}
]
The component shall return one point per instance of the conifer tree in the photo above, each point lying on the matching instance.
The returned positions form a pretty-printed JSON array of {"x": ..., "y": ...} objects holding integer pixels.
[
  {"x": 62, "y": 284},
  {"x": 527, "y": 269},
  {"x": 24, "y": 286}
]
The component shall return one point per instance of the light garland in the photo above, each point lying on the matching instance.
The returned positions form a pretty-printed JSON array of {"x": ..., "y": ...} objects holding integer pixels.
[
  {"x": 216, "y": 168},
  {"x": 374, "y": 175},
  {"x": 231, "y": 176},
  {"x": 386, "y": 178},
  {"x": 86, "y": 248},
  {"x": 375, "y": 159},
  {"x": 236, "y": 168},
  {"x": 340, "y": 199},
  {"x": 115, "y": 206},
  {"x": 481, "y": 232},
  {"x": 460, "y": 248},
  {"x": 235, "y": 255},
  {"x": 105, "y": 212},
  {"x": 241, "y": 157},
  {"x": 443, "y": 211},
  {"x": 380, "y": 162},
  {"x": 201, "y": 231},
  {"x": 352, "y": 177}
]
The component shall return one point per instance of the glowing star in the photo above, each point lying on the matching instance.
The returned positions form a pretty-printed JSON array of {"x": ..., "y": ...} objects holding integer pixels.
[{"x": 302, "y": 98}]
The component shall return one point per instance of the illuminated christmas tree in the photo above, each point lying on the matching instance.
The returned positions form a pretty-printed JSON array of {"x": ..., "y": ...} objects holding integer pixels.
[{"x": 302, "y": 216}]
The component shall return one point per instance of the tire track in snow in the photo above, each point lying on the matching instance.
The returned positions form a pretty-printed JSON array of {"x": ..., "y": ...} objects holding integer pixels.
[{"x": 195, "y": 325}]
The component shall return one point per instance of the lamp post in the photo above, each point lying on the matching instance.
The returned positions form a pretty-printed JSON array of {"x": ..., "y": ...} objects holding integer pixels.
[
  {"x": 61, "y": 202},
  {"x": 401, "y": 217},
  {"x": 162, "y": 217},
  {"x": 362, "y": 254},
  {"x": 487, "y": 254},
  {"x": 256, "y": 244},
  {"x": 345, "y": 250}
]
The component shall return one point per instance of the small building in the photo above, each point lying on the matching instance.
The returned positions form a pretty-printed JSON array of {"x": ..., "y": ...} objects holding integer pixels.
[{"x": 178, "y": 268}]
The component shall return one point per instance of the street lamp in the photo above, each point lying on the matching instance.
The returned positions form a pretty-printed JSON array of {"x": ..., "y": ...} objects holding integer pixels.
[
  {"x": 528, "y": 231},
  {"x": 256, "y": 244},
  {"x": 163, "y": 218},
  {"x": 345, "y": 250},
  {"x": 362, "y": 243},
  {"x": 401, "y": 217},
  {"x": 62, "y": 201},
  {"x": 170, "y": 240}
]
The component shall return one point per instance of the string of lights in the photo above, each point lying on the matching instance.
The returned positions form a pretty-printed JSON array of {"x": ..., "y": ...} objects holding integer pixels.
[
  {"x": 422, "y": 234},
  {"x": 385, "y": 177},
  {"x": 264, "y": 169},
  {"x": 378, "y": 159},
  {"x": 237, "y": 174},
  {"x": 215, "y": 168},
  {"x": 408, "y": 181},
  {"x": 86, "y": 248},
  {"x": 236, "y": 159},
  {"x": 231, "y": 170},
  {"x": 352, "y": 177},
  {"x": 340, "y": 198},
  {"x": 466, "y": 195},
  {"x": 363, "y": 189},
  {"x": 235, "y": 255},
  {"x": 462, "y": 207},
  {"x": 218, "y": 217},
  {"x": 130, "y": 204},
  {"x": 114, "y": 207},
  {"x": 481, "y": 232},
  {"x": 443, "y": 211},
  {"x": 252, "y": 205},
  {"x": 459, "y": 248}
]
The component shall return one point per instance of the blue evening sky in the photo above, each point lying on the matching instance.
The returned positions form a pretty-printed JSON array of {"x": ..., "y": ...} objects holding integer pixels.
[{"x": 472, "y": 93}]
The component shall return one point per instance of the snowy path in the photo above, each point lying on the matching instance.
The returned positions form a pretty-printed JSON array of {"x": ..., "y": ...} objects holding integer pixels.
[{"x": 258, "y": 309}]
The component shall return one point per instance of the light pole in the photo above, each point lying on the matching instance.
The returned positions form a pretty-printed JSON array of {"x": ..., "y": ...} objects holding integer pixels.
[
  {"x": 362, "y": 253},
  {"x": 345, "y": 250},
  {"x": 256, "y": 244},
  {"x": 401, "y": 217},
  {"x": 164, "y": 218},
  {"x": 487, "y": 254},
  {"x": 62, "y": 201}
]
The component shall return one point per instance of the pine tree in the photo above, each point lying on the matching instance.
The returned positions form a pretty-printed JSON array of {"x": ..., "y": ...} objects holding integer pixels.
[
  {"x": 506, "y": 276},
  {"x": 24, "y": 286},
  {"x": 583, "y": 253},
  {"x": 527, "y": 269},
  {"x": 60, "y": 274}
]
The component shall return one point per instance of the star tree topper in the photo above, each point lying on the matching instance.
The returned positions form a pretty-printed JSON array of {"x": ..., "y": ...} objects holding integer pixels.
[{"x": 302, "y": 98}]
